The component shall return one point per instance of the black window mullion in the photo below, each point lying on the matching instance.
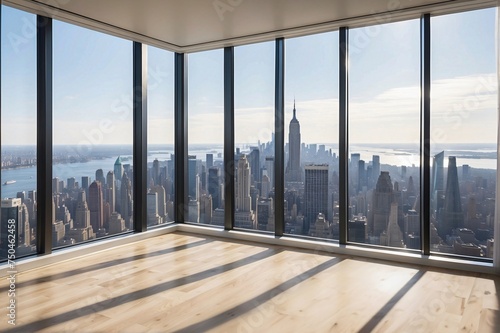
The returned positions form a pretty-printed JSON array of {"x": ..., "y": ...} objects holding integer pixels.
[
  {"x": 279, "y": 149},
  {"x": 229, "y": 189},
  {"x": 44, "y": 135},
  {"x": 140, "y": 147},
  {"x": 343, "y": 134},
  {"x": 425, "y": 106}
]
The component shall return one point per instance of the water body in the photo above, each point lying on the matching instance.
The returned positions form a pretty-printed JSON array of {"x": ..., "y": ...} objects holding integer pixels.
[{"x": 476, "y": 156}]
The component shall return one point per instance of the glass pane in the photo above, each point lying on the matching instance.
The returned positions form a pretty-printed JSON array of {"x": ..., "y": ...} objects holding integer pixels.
[
  {"x": 311, "y": 136},
  {"x": 254, "y": 133},
  {"x": 160, "y": 197},
  {"x": 18, "y": 189},
  {"x": 92, "y": 163},
  {"x": 206, "y": 137},
  {"x": 463, "y": 133},
  {"x": 384, "y": 135}
]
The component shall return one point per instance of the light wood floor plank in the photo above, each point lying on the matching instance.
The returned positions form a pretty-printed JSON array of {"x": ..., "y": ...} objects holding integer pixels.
[{"x": 189, "y": 283}]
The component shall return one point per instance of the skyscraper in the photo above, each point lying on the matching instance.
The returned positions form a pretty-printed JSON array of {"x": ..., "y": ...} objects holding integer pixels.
[
  {"x": 82, "y": 229},
  {"x": 437, "y": 186},
  {"x": 210, "y": 160},
  {"x": 111, "y": 194},
  {"x": 381, "y": 204},
  {"x": 270, "y": 170},
  {"x": 394, "y": 234},
  {"x": 126, "y": 201},
  {"x": 214, "y": 186},
  {"x": 96, "y": 206},
  {"x": 243, "y": 200},
  {"x": 453, "y": 216},
  {"x": 254, "y": 161},
  {"x": 155, "y": 172},
  {"x": 152, "y": 209},
  {"x": 193, "y": 178},
  {"x": 12, "y": 210},
  {"x": 315, "y": 194},
  {"x": 118, "y": 169},
  {"x": 99, "y": 176},
  {"x": 293, "y": 167}
]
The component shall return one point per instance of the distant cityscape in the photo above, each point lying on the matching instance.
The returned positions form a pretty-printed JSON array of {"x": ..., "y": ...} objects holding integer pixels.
[{"x": 384, "y": 199}]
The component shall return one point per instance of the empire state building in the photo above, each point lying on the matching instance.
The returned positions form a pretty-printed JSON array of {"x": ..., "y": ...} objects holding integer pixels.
[{"x": 293, "y": 173}]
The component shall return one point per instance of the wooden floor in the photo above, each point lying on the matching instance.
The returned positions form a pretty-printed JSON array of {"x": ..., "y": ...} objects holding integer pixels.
[{"x": 190, "y": 283}]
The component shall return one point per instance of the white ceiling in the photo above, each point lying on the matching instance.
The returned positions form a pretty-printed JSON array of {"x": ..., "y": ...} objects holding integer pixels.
[{"x": 190, "y": 25}]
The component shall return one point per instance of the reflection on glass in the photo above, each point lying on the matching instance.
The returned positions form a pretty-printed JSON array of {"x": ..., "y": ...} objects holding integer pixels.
[
  {"x": 92, "y": 185},
  {"x": 463, "y": 133},
  {"x": 311, "y": 136},
  {"x": 384, "y": 136},
  {"x": 160, "y": 197},
  {"x": 18, "y": 188},
  {"x": 254, "y": 134},
  {"x": 206, "y": 138}
]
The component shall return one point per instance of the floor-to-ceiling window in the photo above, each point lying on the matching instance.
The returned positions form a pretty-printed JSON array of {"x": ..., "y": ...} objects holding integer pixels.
[
  {"x": 206, "y": 138},
  {"x": 384, "y": 135},
  {"x": 311, "y": 136},
  {"x": 19, "y": 134},
  {"x": 161, "y": 172},
  {"x": 92, "y": 123},
  {"x": 464, "y": 106},
  {"x": 254, "y": 136}
]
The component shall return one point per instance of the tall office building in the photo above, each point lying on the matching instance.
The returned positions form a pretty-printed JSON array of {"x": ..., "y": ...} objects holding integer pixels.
[
  {"x": 111, "y": 193},
  {"x": 82, "y": 229},
  {"x": 210, "y": 160},
  {"x": 214, "y": 187},
  {"x": 243, "y": 199},
  {"x": 254, "y": 161},
  {"x": 116, "y": 224},
  {"x": 126, "y": 201},
  {"x": 362, "y": 181},
  {"x": 375, "y": 170},
  {"x": 13, "y": 210},
  {"x": 82, "y": 212},
  {"x": 315, "y": 194},
  {"x": 95, "y": 205},
  {"x": 155, "y": 172},
  {"x": 394, "y": 234},
  {"x": 293, "y": 167},
  {"x": 55, "y": 185},
  {"x": 118, "y": 169},
  {"x": 71, "y": 183},
  {"x": 381, "y": 204},
  {"x": 152, "y": 209},
  {"x": 85, "y": 183},
  {"x": 270, "y": 170},
  {"x": 437, "y": 186},
  {"x": 453, "y": 216},
  {"x": 206, "y": 209},
  {"x": 162, "y": 204},
  {"x": 99, "y": 176},
  {"x": 193, "y": 178}
]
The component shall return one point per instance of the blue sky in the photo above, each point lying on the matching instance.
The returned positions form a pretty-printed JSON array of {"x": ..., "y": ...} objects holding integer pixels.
[{"x": 93, "y": 79}]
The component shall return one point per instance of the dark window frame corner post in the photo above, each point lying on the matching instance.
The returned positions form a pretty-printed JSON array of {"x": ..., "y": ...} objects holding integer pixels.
[
  {"x": 181, "y": 137},
  {"x": 140, "y": 145},
  {"x": 44, "y": 134},
  {"x": 279, "y": 149}
]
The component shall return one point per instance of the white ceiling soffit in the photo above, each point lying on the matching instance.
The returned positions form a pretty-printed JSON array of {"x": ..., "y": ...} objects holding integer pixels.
[{"x": 193, "y": 25}]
